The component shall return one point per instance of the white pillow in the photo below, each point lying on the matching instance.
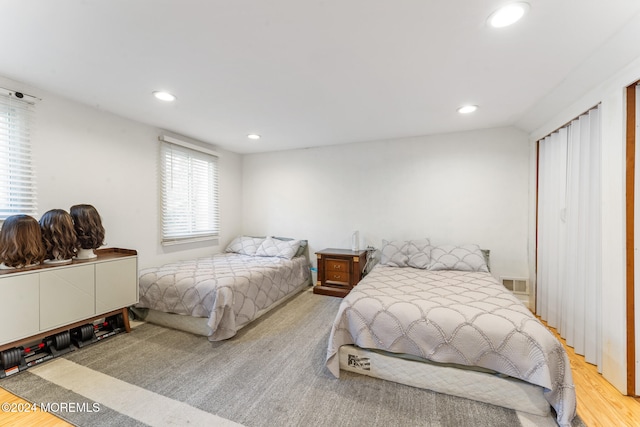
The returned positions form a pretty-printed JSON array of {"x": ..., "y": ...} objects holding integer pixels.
[
  {"x": 461, "y": 258},
  {"x": 394, "y": 253},
  {"x": 419, "y": 252},
  {"x": 278, "y": 248},
  {"x": 245, "y": 245}
]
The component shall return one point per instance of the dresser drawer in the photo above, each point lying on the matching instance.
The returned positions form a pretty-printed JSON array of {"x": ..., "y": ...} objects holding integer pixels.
[
  {"x": 337, "y": 265},
  {"x": 337, "y": 277}
]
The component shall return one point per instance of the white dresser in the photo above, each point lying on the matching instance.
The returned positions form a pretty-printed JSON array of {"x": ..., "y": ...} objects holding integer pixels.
[{"x": 43, "y": 300}]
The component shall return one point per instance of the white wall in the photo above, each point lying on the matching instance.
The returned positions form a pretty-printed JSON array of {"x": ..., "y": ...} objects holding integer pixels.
[
  {"x": 84, "y": 155},
  {"x": 466, "y": 187},
  {"x": 611, "y": 94}
]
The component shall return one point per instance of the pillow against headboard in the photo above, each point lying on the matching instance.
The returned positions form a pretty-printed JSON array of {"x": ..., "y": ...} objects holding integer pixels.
[
  {"x": 394, "y": 253},
  {"x": 245, "y": 245},
  {"x": 273, "y": 247},
  {"x": 301, "y": 249},
  {"x": 248, "y": 245},
  {"x": 406, "y": 253},
  {"x": 462, "y": 258},
  {"x": 419, "y": 252}
]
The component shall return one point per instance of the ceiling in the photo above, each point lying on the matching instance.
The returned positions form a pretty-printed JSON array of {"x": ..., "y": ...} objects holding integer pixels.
[{"x": 305, "y": 73}]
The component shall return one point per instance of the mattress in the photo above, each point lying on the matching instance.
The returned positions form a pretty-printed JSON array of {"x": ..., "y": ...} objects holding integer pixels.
[
  {"x": 229, "y": 290},
  {"x": 461, "y": 317},
  {"x": 481, "y": 385}
]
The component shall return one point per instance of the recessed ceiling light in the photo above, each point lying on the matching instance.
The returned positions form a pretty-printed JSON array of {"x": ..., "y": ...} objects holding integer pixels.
[
  {"x": 253, "y": 136},
  {"x": 508, "y": 14},
  {"x": 164, "y": 96},
  {"x": 466, "y": 109}
]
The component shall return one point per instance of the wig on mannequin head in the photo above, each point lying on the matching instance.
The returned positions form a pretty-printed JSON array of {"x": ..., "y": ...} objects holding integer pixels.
[
  {"x": 21, "y": 242},
  {"x": 59, "y": 235},
  {"x": 88, "y": 226}
]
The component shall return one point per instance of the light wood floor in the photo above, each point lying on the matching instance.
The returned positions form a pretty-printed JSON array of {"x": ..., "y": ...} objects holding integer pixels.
[{"x": 599, "y": 403}]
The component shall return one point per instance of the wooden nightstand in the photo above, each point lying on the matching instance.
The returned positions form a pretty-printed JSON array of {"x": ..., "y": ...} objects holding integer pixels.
[{"x": 339, "y": 270}]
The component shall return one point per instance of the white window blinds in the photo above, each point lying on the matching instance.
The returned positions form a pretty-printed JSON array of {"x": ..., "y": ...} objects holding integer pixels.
[
  {"x": 189, "y": 183},
  {"x": 17, "y": 177}
]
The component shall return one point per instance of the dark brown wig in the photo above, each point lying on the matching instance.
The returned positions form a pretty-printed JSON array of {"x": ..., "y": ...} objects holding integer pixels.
[
  {"x": 21, "y": 242},
  {"x": 88, "y": 226},
  {"x": 59, "y": 235}
]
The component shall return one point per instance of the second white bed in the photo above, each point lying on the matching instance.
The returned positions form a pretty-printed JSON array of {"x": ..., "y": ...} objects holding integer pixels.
[{"x": 458, "y": 318}]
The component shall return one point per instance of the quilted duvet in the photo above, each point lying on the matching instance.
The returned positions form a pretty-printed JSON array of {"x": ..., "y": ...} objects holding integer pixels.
[
  {"x": 229, "y": 289},
  {"x": 467, "y": 318}
]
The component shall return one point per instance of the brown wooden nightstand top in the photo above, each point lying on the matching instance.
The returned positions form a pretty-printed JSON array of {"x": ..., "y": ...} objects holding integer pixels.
[{"x": 334, "y": 251}]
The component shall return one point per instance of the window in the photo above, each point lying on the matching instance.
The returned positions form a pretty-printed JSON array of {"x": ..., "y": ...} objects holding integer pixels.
[
  {"x": 17, "y": 178},
  {"x": 189, "y": 192}
]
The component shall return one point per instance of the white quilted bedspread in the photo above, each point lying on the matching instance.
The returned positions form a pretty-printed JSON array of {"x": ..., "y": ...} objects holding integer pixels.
[
  {"x": 459, "y": 317},
  {"x": 229, "y": 289}
]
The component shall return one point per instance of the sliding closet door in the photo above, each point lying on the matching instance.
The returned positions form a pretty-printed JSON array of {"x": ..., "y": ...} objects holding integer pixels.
[
  {"x": 584, "y": 218},
  {"x": 552, "y": 173},
  {"x": 569, "y": 279}
]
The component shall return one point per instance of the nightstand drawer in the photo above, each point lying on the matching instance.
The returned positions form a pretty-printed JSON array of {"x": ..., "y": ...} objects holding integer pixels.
[
  {"x": 337, "y": 265},
  {"x": 336, "y": 276}
]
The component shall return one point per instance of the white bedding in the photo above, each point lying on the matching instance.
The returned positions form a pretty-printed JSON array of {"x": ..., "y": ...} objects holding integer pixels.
[
  {"x": 459, "y": 317},
  {"x": 228, "y": 289}
]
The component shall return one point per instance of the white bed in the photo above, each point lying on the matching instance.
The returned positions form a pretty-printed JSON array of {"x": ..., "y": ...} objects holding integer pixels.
[
  {"x": 435, "y": 318},
  {"x": 218, "y": 295}
]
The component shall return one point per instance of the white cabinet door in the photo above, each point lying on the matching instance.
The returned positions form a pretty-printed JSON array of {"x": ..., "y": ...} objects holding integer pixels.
[
  {"x": 116, "y": 284},
  {"x": 19, "y": 313},
  {"x": 67, "y": 295}
]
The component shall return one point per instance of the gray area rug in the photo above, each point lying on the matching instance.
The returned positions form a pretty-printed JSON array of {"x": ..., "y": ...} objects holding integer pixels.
[{"x": 271, "y": 374}]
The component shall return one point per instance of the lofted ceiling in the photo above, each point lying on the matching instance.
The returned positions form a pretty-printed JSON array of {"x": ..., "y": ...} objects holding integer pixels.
[{"x": 305, "y": 73}]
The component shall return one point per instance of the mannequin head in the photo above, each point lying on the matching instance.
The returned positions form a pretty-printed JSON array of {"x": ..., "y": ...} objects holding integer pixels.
[
  {"x": 21, "y": 242},
  {"x": 59, "y": 235},
  {"x": 88, "y": 226}
]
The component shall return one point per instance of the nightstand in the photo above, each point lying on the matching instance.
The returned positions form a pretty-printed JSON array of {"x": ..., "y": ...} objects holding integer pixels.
[{"x": 339, "y": 270}]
